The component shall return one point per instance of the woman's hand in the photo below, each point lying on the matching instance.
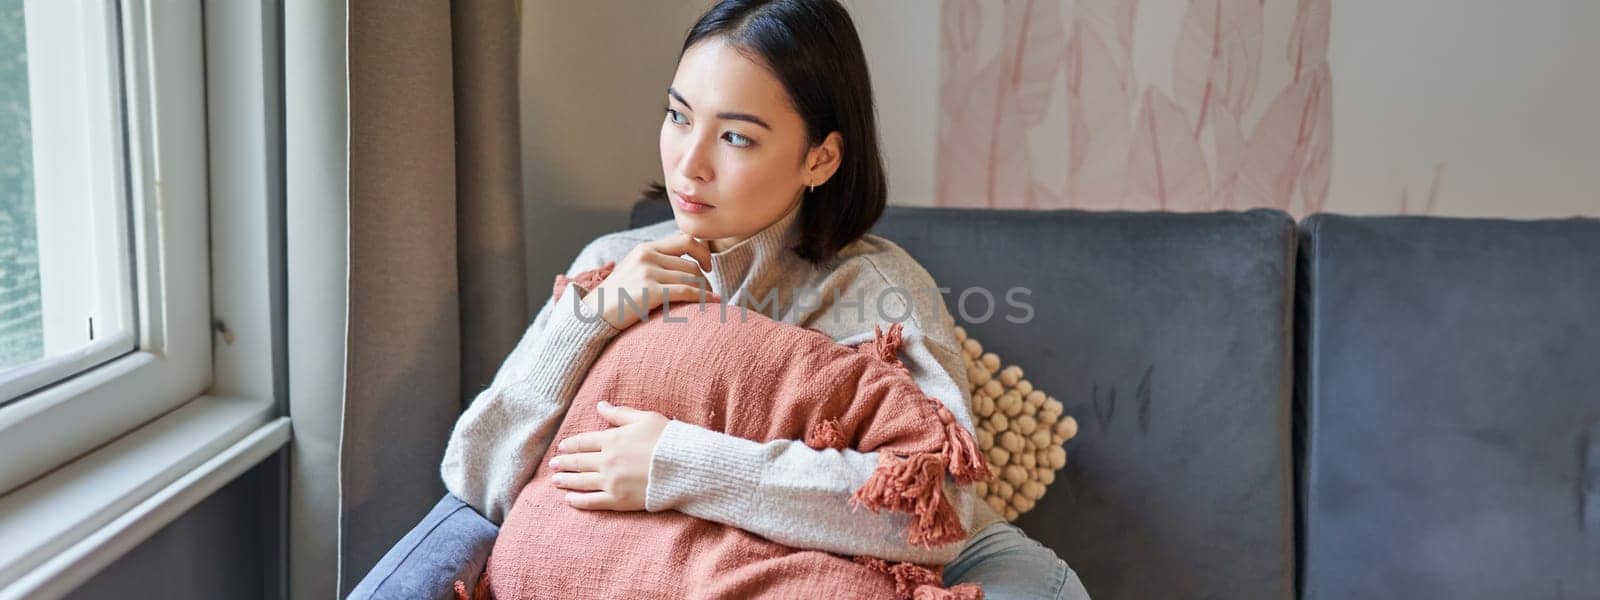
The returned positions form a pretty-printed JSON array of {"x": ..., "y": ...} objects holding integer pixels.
[
  {"x": 609, "y": 469},
  {"x": 645, "y": 272}
]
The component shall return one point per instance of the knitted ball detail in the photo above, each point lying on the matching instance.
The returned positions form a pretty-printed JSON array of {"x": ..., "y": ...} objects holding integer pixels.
[{"x": 1019, "y": 429}]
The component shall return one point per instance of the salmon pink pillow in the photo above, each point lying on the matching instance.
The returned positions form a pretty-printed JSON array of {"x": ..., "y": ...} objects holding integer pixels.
[{"x": 741, "y": 373}]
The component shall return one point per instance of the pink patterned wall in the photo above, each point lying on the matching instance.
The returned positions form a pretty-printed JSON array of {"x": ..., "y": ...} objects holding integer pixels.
[{"x": 1213, "y": 136}]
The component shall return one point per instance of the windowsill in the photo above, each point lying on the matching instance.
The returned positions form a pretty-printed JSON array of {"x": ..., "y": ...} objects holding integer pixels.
[{"x": 65, "y": 526}]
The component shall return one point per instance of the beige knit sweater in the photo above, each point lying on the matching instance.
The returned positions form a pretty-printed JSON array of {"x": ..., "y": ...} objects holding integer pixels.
[{"x": 781, "y": 490}]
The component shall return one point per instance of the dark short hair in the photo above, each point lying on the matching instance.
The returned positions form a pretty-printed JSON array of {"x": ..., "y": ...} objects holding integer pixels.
[{"x": 811, "y": 47}]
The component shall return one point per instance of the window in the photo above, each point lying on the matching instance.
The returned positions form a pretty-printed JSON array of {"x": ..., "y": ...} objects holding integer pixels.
[
  {"x": 21, "y": 329},
  {"x": 104, "y": 264},
  {"x": 66, "y": 293},
  {"x": 107, "y": 436}
]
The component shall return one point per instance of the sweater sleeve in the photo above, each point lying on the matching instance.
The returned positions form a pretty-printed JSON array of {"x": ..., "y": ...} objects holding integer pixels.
[
  {"x": 787, "y": 492},
  {"x": 499, "y": 440}
]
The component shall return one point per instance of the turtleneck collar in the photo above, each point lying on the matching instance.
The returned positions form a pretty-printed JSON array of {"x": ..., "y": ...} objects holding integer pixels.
[{"x": 748, "y": 269}]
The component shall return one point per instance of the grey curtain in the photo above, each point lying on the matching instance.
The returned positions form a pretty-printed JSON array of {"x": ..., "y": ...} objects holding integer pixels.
[{"x": 436, "y": 294}]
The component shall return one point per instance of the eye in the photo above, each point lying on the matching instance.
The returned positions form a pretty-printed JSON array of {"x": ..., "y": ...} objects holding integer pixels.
[
  {"x": 747, "y": 142},
  {"x": 672, "y": 115}
]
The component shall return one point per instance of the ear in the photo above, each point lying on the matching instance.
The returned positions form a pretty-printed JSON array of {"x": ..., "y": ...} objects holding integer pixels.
[{"x": 823, "y": 160}]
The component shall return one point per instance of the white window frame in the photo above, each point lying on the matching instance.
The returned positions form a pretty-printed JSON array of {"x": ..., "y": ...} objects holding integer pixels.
[
  {"x": 80, "y": 202},
  {"x": 163, "y": 67},
  {"x": 121, "y": 450}
]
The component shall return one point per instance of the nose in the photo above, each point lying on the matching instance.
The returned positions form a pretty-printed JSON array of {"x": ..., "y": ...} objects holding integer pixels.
[{"x": 695, "y": 160}]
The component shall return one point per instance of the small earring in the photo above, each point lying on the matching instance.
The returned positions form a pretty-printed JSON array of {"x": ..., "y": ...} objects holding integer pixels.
[{"x": 813, "y": 189}]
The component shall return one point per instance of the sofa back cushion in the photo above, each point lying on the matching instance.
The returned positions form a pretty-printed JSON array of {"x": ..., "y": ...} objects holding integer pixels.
[{"x": 1450, "y": 407}]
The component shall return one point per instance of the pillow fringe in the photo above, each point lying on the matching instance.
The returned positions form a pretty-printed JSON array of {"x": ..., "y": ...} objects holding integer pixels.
[
  {"x": 480, "y": 591},
  {"x": 967, "y": 465},
  {"x": 886, "y": 345},
  {"x": 827, "y": 434},
  {"x": 915, "y": 484},
  {"x": 916, "y": 582}
]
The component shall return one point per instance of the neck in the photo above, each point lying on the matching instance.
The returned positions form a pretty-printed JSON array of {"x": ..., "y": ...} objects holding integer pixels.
[{"x": 721, "y": 244}]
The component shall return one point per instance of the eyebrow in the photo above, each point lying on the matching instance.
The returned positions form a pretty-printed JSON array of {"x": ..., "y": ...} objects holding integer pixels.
[{"x": 723, "y": 115}]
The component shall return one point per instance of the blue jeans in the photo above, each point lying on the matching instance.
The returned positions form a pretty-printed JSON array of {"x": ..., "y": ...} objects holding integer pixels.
[
  {"x": 1012, "y": 566},
  {"x": 453, "y": 542}
]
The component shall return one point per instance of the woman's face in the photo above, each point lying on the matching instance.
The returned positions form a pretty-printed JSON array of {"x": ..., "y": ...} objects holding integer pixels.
[{"x": 733, "y": 150}]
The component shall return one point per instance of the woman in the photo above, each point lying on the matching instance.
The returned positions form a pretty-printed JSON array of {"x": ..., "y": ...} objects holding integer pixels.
[{"x": 770, "y": 161}]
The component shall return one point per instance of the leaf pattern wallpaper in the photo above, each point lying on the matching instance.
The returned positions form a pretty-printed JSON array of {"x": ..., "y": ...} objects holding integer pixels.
[
  {"x": 1214, "y": 136},
  {"x": 1470, "y": 109}
]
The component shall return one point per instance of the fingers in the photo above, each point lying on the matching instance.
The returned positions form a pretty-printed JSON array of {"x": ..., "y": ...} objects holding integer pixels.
[
  {"x": 649, "y": 298},
  {"x": 682, "y": 273},
  {"x": 588, "y": 441},
  {"x": 687, "y": 294},
  {"x": 619, "y": 415},
  {"x": 592, "y": 501},
  {"x": 676, "y": 291},
  {"x": 579, "y": 482},
  {"x": 680, "y": 244},
  {"x": 578, "y": 462}
]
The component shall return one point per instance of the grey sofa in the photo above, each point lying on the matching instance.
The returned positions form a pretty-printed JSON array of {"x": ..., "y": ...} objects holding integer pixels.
[{"x": 1348, "y": 407}]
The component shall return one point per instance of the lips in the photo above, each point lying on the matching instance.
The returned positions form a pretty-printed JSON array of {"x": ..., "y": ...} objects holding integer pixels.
[{"x": 690, "y": 199}]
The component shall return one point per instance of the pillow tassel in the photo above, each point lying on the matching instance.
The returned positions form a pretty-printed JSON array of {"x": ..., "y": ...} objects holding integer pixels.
[
  {"x": 966, "y": 463},
  {"x": 914, "y": 485},
  {"x": 885, "y": 345},
  {"x": 827, "y": 434},
  {"x": 916, "y": 582},
  {"x": 480, "y": 591}
]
